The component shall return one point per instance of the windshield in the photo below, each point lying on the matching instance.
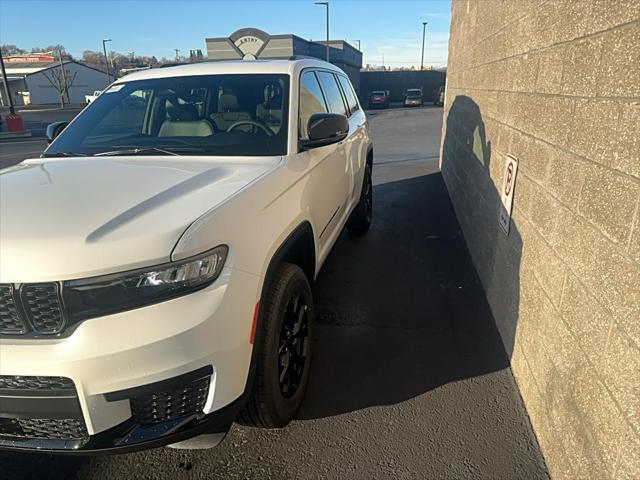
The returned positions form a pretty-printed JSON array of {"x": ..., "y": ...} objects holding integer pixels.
[
  {"x": 378, "y": 93},
  {"x": 196, "y": 115},
  {"x": 414, "y": 93}
]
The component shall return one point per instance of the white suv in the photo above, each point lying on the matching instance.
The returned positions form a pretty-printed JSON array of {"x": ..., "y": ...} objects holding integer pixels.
[{"x": 156, "y": 261}]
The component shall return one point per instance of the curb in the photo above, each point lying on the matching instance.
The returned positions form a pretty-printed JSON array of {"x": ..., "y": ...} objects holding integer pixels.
[{"x": 10, "y": 135}]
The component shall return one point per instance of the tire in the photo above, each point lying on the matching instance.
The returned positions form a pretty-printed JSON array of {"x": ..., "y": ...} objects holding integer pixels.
[
  {"x": 274, "y": 403},
  {"x": 360, "y": 219}
]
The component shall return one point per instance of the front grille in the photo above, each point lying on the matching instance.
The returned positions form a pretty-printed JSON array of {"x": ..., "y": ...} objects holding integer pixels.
[
  {"x": 43, "y": 428},
  {"x": 19, "y": 383},
  {"x": 34, "y": 308},
  {"x": 170, "y": 405},
  {"x": 43, "y": 307},
  {"x": 11, "y": 322}
]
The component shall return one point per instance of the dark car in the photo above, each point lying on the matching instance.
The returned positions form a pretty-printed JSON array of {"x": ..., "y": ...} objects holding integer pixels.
[
  {"x": 413, "y": 98},
  {"x": 439, "y": 97},
  {"x": 379, "y": 98}
]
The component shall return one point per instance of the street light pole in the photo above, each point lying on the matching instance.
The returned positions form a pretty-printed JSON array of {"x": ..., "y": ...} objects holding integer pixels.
[
  {"x": 424, "y": 28},
  {"x": 326, "y": 4},
  {"x": 106, "y": 59}
]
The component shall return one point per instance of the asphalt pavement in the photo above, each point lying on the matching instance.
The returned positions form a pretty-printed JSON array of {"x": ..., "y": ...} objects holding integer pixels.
[
  {"x": 36, "y": 119},
  {"x": 15, "y": 150},
  {"x": 409, "y": 378}
]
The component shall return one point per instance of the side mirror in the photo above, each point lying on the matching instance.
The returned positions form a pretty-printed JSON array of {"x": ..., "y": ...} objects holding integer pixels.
[
  {"x": 325, "y": 129},
  {"x": 54, "y": 129}
]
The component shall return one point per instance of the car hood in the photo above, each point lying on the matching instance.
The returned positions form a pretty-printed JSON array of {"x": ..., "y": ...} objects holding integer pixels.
[{"x": 66, "y": 218}]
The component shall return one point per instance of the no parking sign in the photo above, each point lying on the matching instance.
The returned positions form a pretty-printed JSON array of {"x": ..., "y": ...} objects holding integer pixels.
[{"x": 506, "y": 195}]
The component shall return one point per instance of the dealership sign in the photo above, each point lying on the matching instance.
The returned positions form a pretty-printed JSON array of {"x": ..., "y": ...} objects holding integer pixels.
[
  {"x": 506, "y": 194},
  {"x": 249, "y": 41}
]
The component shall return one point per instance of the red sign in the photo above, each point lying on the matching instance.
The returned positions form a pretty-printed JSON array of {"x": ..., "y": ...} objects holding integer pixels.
[{"x": 33, "y": 58}]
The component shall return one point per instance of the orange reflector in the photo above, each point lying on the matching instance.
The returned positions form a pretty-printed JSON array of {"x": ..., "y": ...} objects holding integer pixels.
[{"x": 254, "y": 323}]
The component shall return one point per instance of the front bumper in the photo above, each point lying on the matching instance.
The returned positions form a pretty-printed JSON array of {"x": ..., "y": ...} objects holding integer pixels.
[
  {"x": 130, "y": 436},
  {"x": 115, "y": 359}
]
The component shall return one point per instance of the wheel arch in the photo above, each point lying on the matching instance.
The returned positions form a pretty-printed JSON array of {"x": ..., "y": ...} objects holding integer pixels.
[{"x": 298, "y": 248}]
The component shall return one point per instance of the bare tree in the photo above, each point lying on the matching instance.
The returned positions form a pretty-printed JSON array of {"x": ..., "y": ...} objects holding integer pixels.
[
  {"x": 11, "y": 50},
  {"x": 61, "y": 81}
]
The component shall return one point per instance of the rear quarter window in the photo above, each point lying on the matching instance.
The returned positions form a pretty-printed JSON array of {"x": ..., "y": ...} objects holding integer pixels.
[{"x": 349, "y": 93}]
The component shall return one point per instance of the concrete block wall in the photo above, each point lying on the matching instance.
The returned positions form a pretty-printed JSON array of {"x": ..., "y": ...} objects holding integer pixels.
[{"x": 556, "y": 83}]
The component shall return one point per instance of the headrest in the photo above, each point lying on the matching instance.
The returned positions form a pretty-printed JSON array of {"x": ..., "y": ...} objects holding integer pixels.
[
  {"x": 182, "y": 112},
  {"x": 228, "y": 102},
  {"x": 271, "y": 92}
]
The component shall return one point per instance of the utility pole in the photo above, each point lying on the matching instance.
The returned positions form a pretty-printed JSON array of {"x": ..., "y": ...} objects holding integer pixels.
[
  {"x": 424, "y": 29},
  {"x": 106, "y": 59},
  {"x": 6, "y": 86},
  {"x": 326, "y": 4},
  {"x": 64, "y": 79},
  {"x": 177, "y": 53}
]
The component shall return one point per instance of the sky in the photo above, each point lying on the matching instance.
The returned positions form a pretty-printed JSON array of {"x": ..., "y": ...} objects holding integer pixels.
[{"x": 157, "y": 27}]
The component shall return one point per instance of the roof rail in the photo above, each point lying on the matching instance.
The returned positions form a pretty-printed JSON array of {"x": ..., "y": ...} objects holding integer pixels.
[{"x": 303, "y": 57}]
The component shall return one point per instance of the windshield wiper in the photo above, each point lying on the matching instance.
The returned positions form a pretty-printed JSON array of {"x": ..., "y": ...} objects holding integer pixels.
[
  {"x": 134, "y": 151},
  {"x": 63, "y": 154}
]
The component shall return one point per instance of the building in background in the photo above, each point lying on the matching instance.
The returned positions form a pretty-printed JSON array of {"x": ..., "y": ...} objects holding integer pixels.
[
  {"x": 556, "y": 85},
  {"x": 28, "y": 84},
  {"x": 396, "y": 82},
  {"x": 251, "y": 43}
]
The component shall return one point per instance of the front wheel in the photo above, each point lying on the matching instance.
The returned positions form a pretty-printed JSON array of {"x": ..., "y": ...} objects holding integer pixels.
[
  {"x": 284, "y": 350},
  {"x": 360, "y": 219}
]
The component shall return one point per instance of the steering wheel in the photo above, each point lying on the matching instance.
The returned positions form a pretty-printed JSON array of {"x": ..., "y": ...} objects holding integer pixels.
[{"x": 264, "y": 128}]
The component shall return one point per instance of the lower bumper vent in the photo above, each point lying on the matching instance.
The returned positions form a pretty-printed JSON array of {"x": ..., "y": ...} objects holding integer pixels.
[
  {"x": 43, "y": 428},
  {"x": 39, "y": 408},
  {"x": 171, "y": 404}
]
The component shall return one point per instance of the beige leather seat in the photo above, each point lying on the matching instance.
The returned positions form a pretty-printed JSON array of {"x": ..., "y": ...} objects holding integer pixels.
[
  {"x": 228, "y": 112},
  {"x": 183, "y": 121}
]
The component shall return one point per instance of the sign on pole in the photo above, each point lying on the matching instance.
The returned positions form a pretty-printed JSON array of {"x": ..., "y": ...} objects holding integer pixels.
[{"x": 506, "y": 195}]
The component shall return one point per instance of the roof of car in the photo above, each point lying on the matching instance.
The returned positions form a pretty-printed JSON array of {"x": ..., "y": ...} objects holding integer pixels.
[{"x": 287, "y": 66}]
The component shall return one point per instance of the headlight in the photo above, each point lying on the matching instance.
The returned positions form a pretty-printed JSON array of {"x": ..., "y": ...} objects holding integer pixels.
[{"x": 107, "y": 294}]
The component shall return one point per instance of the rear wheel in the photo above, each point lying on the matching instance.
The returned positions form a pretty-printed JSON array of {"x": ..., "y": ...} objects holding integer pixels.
[
  {"x": 360, "y": 219},
  {"x": 284, "y": 350}
]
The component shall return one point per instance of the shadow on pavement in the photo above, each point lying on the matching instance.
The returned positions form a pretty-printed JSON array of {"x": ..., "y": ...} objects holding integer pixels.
[{"x": 401, "y": 311}]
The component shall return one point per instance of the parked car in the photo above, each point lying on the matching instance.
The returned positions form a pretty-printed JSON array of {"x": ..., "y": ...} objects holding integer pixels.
[
  {"x": 439, "y": 97},
  {"x": 156, "y": 270},
  {"x": 90, "y": 98},
  {"x": 413, "y": 98},
  {"x": 379, "y": 98}
]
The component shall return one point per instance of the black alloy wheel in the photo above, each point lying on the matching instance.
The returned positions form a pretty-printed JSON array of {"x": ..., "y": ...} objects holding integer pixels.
[
  {"x": 293, "y": 345},
  {"x": 282, "y": 349}
]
